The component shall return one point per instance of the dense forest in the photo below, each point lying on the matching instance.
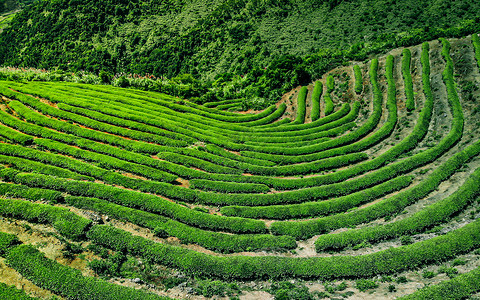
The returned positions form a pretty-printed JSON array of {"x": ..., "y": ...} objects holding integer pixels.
[{"x": 271, "y": 45}]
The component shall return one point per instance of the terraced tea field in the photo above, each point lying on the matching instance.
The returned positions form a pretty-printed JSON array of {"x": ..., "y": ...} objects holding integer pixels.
[{"x": 369, "y": 173}]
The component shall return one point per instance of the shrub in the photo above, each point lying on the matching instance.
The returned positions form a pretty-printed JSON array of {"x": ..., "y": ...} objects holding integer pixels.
[
  {"x": 460, "y": 287},
  {"x": 365, "y": 284}
]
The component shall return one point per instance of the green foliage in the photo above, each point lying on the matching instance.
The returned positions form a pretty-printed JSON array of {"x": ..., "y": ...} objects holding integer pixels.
[
  {"x": 65, "y": 221},
  {"x": 145, "y": 202},
  {"x": 407, "y": 77},
  {"x": 401, "y": 279},
  {"x": 358, "y": 79},
  {"x": 228, "y": 187},
  {"x": 7, "y": 241},
  {"x": 12, "y": 293},
  {"x": 428, "y": 274},
  {"x": 327, "y": 97},
  {"x": 476, "y": 46},
  {"x": 271, "y": 44},
  {"x": 163, "y": 227},
  {"x": 301, "y": 106},
  {"x": 15, "y": 136},
  {"x": 285, "y": 290},
  {"x": 320, "y": 208},
  {"x": 33, "y": 194},
  {"x": 460, "y": 287},
  {"x": 330, "y": 83},
  {"x": 388, "y": 261},
  {"x": 210, "y": 288},
  {"x": 67, "y": 281},
  {"x": 406, "y": 240},
  {"x": 108, "y": 267},
  {"x": 316, "y": 94},
  {"x": 365, "y": 284}
]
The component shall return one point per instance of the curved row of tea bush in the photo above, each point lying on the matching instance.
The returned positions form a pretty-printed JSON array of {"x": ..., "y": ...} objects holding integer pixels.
[
  {"x": 229, "y": 107},
  {"x": 301, "y": 106},
  {"x": 63, "y": 220},
  {"x": 296, "y": 169},
  {"x": 328, "y": 102},
  {"x": 66, "y": 281},
  {"x": 144, "y": 201},
  {"x": 321, "y": 208},
  {"x": 220, "y": 156},
  {"x": 26, "y": 165},
  {"x": 388, "y": 261},
  {"x": 15, "y": 136},
  {"x": 392, "y": 204},
  {"x": 201, "y": 164},
  {"x": 228, "y": 187},
  {"x": 224, "y": 154},
  {"x": 89, "y": 123},
  {"x": 476, "y": 46},
  {"x": 217, "y": 103},
  {"x": 358, "y": 79},
  {"x": 77, "y": 166},
  {"x": 316, "y": 94},
  {"x": 19, "y": 191},
  {"x": 61, "y": 126},
  {"x": 216, "y": 241},
  {"x": 428, "y": 217},
  {"x": 407, "y": 78}
]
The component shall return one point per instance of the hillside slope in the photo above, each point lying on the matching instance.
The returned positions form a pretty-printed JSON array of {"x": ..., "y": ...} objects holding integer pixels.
[{"x": 362, "y": 184}]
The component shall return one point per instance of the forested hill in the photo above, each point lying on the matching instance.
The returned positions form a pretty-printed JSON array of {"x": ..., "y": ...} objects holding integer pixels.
[{"x": 208, "y": 38}]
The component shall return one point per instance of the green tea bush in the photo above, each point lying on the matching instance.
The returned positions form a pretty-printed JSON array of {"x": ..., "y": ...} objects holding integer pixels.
[
  {"x": 407, "y": 78},
  {"x": 358, "y": 79},
  {"x": 65, "y": 221},
  {"x": 388, "y": 261},
  {"x": 316, "y": 94},
  {"x": 216, "y": 241},
  {"x": 301, "y": 105}
]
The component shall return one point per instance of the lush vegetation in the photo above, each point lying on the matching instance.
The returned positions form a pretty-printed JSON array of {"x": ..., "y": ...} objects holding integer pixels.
[
  {"x": 180, "y": 189},
  {"x": 279, "y": 41}
]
